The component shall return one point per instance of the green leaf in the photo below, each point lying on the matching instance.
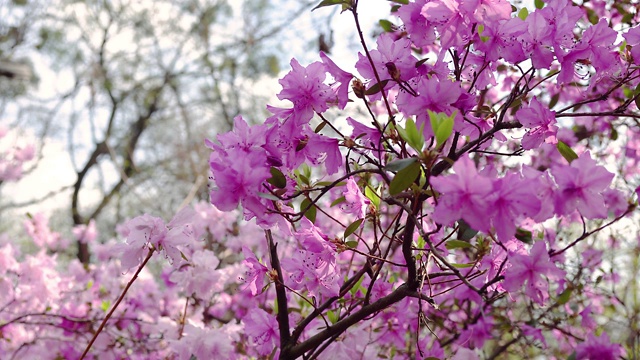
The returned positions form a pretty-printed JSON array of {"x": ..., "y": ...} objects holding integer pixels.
[
  {"x": 414, "y": 137},
  {"x": 105, "y": 305},
  {"x": 304, "y": 179},
  {"x": 419, "y": 63},
  {"x": 357, "y": 286},
  {"x": 572, "y": 356},
  {"x": 403, "y": 2},
  {"x": 524, "y": 235},
  {"x": 372, "y": 195},
  {"x": 320, "y": 127},
  {"x": 554, "y": 100},
  {"x": 635, "y": 93},
  {"x": 311, "y": 211},
  {"x": 268, "y": 196},
  {"x": 462, "y": 266},
  {"x": 352, "y": 244},
  {"x": 386, "y": 25},
  {"x": 337, "y": 201},
  {"x": 352, "y": 227},
  {"x": 333, "y": 316},
  {"x": 457, "y": 244},
  {"x": 523, "y": 13},
  {"x": 442, "y": 125},
  {"x": 465, "y": 232},
  {"x": 566, "y": 151},
  {"x": 539, "y": 4},
  {"x": 89, "y": 284},
  {"x": 400, "y": 164},
  {"x": 565, "y": 296},
  {"x": 377, "y": 87},
  {"x": 273, "y": 65},
  {"x": 264, "y": 288},
  {"x": 324, "y": 3},
  {"x": 404, "y": 178},
  {"x": 277, "y": 178}
]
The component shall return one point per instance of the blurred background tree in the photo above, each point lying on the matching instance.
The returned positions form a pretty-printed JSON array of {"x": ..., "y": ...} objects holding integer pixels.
[{"x": 132, "y": 88}]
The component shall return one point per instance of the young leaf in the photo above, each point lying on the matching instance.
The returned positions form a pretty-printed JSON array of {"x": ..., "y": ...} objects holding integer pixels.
[
  {"x": 465, "y": 232},
  {"x": 523, "y": 13},
  {"x": 386, "y": 25},
  {"x": 333, "y": 316},
  {"x": 337, "y": 201},
  {"x": 277, "y": 178},
  {"x": 414, "y": 137},
  {"x": 324, "y": 3},
  {"x": 320, "y": 127},
  {"x": 442, "y": 125},
  {"x": 268, "y": 196},
  {"x": 400, "y": 164},
  {"x": 524, "y": 235},
  {"x": 457, "y": 244},
  {"x": 462, "y": 266},
  {"x": 372, "y": 195},
  {"x": 377, "y": 87},
  {"x": 404, "y": 178},
  {"x": 566, "y": 151},
  {"x": 539, "y": 4},
  {"x": 311, "y": 211},
  {"x": 565, "y": 296},
  {"x": 352, "y": 227}
]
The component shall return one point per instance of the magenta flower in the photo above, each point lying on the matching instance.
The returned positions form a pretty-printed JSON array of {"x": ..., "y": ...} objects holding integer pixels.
[
  {"x": 435, "y": 95},
  {"x": 504, "y": 39},
  {"x": 389, "y": 50},
  {"x": 529, "y": 269},
  {"x": 542, "y": 123},
  {"x": 262, "y": 329},
  {"x": 354, "y": 201},
  {"x": 463, "y": 196},
  {"x": 342, "y": 78},
  {"x": 513, "y": 198},
  {"x": 316, "y": 272},
  {"x": 580, "y": 187},
  {"x": 598, "y": 348},
  {"x": 368, "y": 136},
  {"x": 200, "y": 278},
  {"x": 305, "y": 88},
  {"x": 633, "y": 39},
  {"x": 254, "y": 275}
]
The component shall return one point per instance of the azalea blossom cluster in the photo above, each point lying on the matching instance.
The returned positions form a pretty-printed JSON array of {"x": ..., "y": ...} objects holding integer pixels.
[{"x": 452, "y": 198}]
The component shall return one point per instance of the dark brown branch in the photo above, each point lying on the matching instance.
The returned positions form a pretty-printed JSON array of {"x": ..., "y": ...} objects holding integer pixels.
[
  {"x": 281, "y": 295},
  {"x": 295, "y": 351}
]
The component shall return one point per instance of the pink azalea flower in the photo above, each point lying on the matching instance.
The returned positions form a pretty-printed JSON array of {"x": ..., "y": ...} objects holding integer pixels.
[
  {"x": 342, "y": 78},
  {"x": 86, "y": 233},
  {"x": 542, "y": 123},
  {"x": 262, "y": 329},
  {"x": 305, "y": 88},
  {"x": 598, "y": 348},
  {"x": 355, "y": 202},
  {"x": 463, "y": 196},
  {"x": 580, "y": 187},
  {"x": 512, "y": 198},
  {"x": 390, "y": 50},
  {"x": 529, "y": 269},
  {"x": 254, "y": 275}
]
